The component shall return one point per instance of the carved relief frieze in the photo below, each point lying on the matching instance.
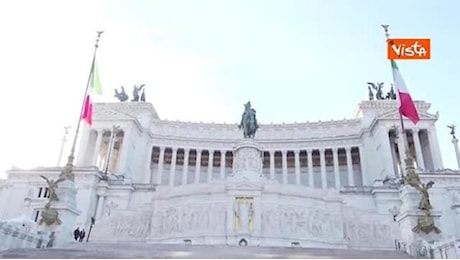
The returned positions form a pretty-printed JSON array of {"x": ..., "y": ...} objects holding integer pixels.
[
  {"x": 300, "y": 222},
  {"x": 373, "y": 230},
  {"x": 123, "y": 226},
  {"x": 189, "y": 219}
]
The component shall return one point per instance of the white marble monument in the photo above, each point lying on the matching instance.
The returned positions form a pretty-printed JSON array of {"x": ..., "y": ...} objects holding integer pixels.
[{"x": 330, "y": 184}]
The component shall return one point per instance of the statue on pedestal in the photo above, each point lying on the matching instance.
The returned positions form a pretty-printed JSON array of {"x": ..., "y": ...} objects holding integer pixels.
[
  {"x": 425, "y": 200},
  {"x": 426, "y": 224},
  {"x": 249, "y": 121},
  {"x": 49, "y": 216}
]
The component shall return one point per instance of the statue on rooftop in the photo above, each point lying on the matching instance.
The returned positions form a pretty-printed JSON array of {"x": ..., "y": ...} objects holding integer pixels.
[
  {"x": 371, "y": 94},
  {"x": 136, "y": 91},
  {"x": 121, "y": 96},
  {"x": 378, "y": 87},
  {"x": 452, "y": 130},
  {"x": 249, "y": 121},
  {"x": 143, "y": 95},
  {"x": 391, "y": 94}
]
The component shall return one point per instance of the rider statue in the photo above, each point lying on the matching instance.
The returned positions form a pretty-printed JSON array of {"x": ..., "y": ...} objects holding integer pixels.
[{"x": 249, "y": 121}]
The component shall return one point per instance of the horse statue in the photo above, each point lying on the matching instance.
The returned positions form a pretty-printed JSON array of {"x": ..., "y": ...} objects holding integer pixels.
[
  {"x": 136, "y": 91},
  {"x": 378, "y": 87},
  {"x": 121, "y": 96},
  {"x": 249, "y": 121}
]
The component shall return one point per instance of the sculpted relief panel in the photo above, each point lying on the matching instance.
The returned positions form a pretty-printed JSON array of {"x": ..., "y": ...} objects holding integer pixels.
[
  {"x": 123, "y": 226},
  {"x": 303, "y": 223},
  {"x": 247, "y": 160},
  {"x": 363, "y": 229},
  {"x": 189, "y": 219}
]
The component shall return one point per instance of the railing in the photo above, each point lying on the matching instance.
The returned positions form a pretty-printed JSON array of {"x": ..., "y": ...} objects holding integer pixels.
[
  {"x": 422, "y": 250},
  {"x": 445, "y": 249},
  {"x": 442, "y": 249},
  {"x": 14, "y": 237}
]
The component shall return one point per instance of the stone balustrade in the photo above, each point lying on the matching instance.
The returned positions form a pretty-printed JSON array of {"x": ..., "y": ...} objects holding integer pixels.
[{"x": 14, "y": 237}]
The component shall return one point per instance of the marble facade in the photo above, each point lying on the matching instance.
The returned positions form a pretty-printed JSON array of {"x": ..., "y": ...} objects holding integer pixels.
[{"x": 315, "y": 184}]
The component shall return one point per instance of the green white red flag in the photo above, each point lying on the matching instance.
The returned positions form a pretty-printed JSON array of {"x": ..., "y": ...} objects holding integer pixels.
[
  {"x": 406, "y": 104},
  {"x": 94, "y": 88}
]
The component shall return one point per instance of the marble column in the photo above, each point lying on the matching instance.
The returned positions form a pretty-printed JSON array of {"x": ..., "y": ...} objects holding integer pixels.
[
  {"x": 172, "y": 169},
  {"x": 434, "y": 148},
  {"x": 123, "y": 155},
  {"x": 101, "y": 193},
  {"x": 148, "y": 165},
  {"x": 395, "y": 164},
  {"x": 323, "y": 168},
  {"x": 335, "y": 156},
  {"x": 210, "y": 165},
  {"x": 83, "y": 147},
  {"x": 109, "y": 151},
  {"x": 272, "y": 165},
  {"x": 418, "y": 149},
  {"x": 97, "y": 147},
  {"x": 185, "y": 166},
  {"x": 284, "y": 164},
  {"x": 198, "y": 166},
  {"x": 351, "y": 179},
  {"x": 311, "y": 181},
  {"x": 297, "y": 166},
  {"x": 160, "y": 165},
  {"x": 402, "y": 150},
  {"x": 457, "y": 152},
  {"x": 362, "y": 161},
  {"x": 100, "y": 207},
  {"x": 390, "y": 166},
  {"x": 222, "y": 164}
]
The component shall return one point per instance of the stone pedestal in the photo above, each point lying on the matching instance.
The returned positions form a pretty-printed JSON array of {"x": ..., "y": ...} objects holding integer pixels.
[
  {"x": 457, "y": 152},
  {"x": 244, "y": 186},
  {"x": 247, "y": 162},
  {"x": 66, "y": 207},
  {"x": 411, "y": 217}
]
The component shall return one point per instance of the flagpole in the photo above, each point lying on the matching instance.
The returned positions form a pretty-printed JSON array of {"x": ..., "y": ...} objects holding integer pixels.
[
  {"x": 67, "y": 172},
  {"x": 408, "y": 158}
]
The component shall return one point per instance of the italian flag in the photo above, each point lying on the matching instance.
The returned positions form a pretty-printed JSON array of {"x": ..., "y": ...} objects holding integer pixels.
[
  {"x": 406, "y": 107},
  {"x": 95, "y": 87}
]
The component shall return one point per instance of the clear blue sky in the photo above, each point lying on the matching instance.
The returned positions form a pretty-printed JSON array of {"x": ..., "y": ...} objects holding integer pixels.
[{"x": 201, "y": 60}]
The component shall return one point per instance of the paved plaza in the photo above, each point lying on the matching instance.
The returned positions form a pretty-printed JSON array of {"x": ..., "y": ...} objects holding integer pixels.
[{"x": 142, "y": 250}]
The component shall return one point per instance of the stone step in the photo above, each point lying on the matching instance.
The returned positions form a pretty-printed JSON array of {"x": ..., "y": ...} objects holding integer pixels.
[{"x": 142, "y": 250}]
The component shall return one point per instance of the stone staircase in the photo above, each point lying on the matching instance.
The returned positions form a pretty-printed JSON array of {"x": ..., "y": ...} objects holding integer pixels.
[{"x": 143, "y": 251}]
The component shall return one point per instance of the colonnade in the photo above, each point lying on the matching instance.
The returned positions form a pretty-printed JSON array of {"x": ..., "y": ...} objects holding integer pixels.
[
  {"x": 320, "y": 168},
  {"x": 423, "y": 146}
]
